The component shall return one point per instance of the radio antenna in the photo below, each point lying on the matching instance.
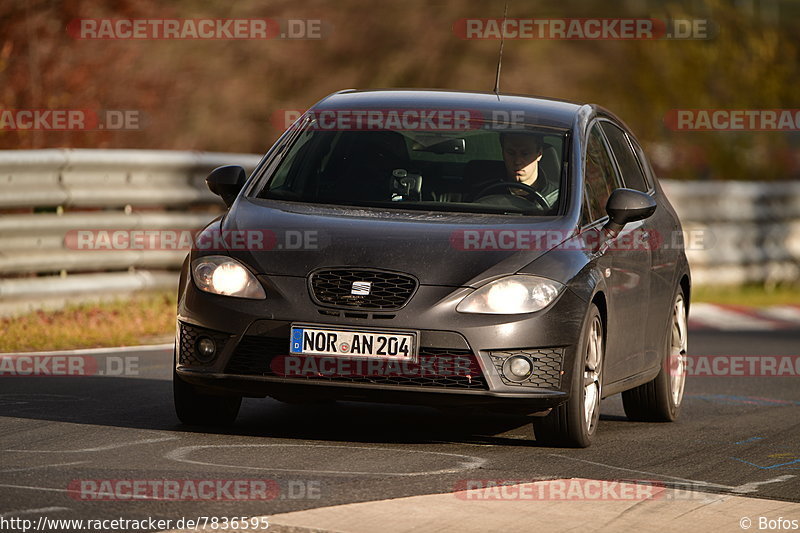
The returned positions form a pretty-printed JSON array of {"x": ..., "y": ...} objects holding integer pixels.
[{"x": 500, "y": 58}]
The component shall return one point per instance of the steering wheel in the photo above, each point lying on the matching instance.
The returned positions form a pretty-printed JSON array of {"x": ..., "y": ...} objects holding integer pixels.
[{"x": 537, "y": 196}]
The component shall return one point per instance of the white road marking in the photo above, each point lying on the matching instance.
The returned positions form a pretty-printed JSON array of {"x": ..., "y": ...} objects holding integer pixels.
[
  {"x": 470, "y": 462},
  {"x": 739, "y": 489},
  {"x": 721, "y": 318},
  {"x": 100, "y": 448},
  {"x": 89, "y": 351},
  {"x": 34, "y": 511},
  {"x": 752, "y": 486},
  {"x": 41, "y": 466},
  {"x": 26, "y": 398},
  {"x": 132, "y": 496},
  {"x": 785, "y": 313},
  {"x": 683, "y": 480},
  {"x": 28, "y": 487}
]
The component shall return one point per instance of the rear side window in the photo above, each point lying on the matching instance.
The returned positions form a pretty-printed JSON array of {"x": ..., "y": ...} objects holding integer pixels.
[
  {"x": 629, "y": 165},
  {"x": 648, "y": 169},
  {"x": 600, "y": 177}
]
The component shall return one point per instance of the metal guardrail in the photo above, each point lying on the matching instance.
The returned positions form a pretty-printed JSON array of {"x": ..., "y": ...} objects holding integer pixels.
[
  {"x": 743, "y": 232},
  {"x": 750, "y": 232},
  {"x": 45, "y": 194}
]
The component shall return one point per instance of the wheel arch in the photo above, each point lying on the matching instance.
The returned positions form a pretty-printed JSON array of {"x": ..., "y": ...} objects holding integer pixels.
[
  {"x": 686, "y": 287},
  {"x": 599, "y": 299}
]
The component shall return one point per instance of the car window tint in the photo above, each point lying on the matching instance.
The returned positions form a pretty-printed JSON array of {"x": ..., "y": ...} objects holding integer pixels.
[
  {"x": 648, "y": 170},
  {"x": 600, "y": 176},
  {"x": 632, "y": 173},
  {"x": 586, "y": 216},
  {"x": 287, "y": 171},
  {"x": 477, "y": 145},
  {"x": 459, "y": 171}
]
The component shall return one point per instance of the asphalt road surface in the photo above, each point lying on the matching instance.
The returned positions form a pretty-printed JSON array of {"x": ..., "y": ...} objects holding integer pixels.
[{"x": 737, "y": 435}]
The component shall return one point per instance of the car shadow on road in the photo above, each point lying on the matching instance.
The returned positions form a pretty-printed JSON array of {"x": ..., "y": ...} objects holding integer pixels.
[{"x": 141, "y": 403}]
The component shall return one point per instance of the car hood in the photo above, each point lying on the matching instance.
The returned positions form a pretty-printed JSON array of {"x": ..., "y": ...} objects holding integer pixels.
[{"x": 300, "y": 238}]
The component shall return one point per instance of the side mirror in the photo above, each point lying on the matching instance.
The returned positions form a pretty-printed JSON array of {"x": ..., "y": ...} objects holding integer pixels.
[
  {"x": 627, "y": 205},
  {"x": 226, "y": 182}
]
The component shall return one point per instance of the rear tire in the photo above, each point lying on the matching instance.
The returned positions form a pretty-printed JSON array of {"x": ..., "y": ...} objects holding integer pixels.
[
  {"x": 574, "y": 423},
  {"x": 660, "y": 400},
  {"x": 195, "y": 409}
]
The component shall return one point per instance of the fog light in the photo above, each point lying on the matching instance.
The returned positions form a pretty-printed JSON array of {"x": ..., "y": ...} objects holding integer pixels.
[
  {"x": 205, "y": 349},
  {"x": 517, "y": 368}
]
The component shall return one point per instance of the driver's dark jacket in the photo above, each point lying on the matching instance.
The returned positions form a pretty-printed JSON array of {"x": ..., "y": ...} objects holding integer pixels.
[{"x": 542, "y": 185}]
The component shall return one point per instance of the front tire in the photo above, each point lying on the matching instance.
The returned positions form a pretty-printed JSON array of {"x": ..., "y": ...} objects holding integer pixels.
[
  {"x": 660, "y": 400},
  {"x": 574, "y": 423}
]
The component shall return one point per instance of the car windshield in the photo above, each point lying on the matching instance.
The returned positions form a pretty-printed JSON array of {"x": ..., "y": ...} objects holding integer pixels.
[{"x": 480, "y": 170}]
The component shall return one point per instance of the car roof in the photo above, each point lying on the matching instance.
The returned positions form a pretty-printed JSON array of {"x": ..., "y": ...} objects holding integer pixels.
[{"x": 541, "y": 111}]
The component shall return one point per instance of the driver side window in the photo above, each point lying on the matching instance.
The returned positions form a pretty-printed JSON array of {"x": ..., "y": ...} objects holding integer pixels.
[{"x": 600, "y": 177}]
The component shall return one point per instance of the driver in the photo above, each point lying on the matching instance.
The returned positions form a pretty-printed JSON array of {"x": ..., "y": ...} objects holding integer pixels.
[{"x": 521, "y": 155}]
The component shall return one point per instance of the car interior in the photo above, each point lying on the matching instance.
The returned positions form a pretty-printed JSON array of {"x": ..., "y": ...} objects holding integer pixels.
[{"x": 450, "y": 171}]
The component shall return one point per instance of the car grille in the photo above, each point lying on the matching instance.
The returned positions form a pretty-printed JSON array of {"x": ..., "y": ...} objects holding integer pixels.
[
  {"x": 255, "y": 356},
  {"x": 388, "y": 290},
  {"x": 188, "y": 336},
  {"x": 546, "y": 366}
]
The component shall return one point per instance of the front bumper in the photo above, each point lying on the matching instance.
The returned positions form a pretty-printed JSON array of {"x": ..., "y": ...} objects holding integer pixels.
[{"x": 250, "y": 334}]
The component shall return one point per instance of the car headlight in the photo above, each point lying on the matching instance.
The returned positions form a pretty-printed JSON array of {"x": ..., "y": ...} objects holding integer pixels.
[
  {"x": 512, "y": 295},
  {"x": 219, "y": 274}
]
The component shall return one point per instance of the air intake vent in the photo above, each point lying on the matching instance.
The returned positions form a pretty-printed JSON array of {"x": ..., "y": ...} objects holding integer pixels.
[{"x": 362, "y": 289}]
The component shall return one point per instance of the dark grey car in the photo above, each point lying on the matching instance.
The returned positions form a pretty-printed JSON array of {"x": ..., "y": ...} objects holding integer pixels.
[{"x": 385, "y": 250}]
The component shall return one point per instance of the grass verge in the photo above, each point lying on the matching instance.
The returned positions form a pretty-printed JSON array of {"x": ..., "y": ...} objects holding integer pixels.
[
  {"x": 145, "y": 318},
  {"x": 748, "y": 295}
]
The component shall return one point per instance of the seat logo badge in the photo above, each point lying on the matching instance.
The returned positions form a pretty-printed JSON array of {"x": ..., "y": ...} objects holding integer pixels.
[{"x": 361, "y": 288}]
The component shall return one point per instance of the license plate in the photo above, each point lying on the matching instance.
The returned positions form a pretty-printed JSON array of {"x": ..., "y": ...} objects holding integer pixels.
[{"x": 312, "y": 340}]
